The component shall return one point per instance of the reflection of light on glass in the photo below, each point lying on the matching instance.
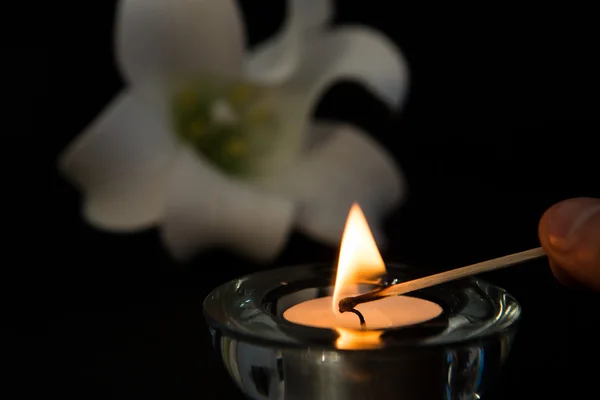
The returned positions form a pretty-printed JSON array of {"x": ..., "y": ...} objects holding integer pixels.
[
  {"x": 353, "y": 339},
  {"x": 480, "y": 364},
  {"x": 229, "y": 355},
  {"x": 500, "y": 309},
  {"x": 329, "y": 357}
]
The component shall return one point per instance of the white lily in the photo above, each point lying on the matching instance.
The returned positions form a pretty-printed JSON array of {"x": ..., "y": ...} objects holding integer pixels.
[{"x": 216, "y": 147}]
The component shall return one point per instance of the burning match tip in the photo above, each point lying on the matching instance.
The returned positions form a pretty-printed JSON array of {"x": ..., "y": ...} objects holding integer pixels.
[{"x": 347, "y": 304}]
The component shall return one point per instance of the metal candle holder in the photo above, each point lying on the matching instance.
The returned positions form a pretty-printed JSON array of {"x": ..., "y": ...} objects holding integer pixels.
[{"x": 454, "y": 356}]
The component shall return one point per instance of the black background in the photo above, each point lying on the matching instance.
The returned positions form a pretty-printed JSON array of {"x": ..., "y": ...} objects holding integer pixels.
[{"x": 501, "y": 123}]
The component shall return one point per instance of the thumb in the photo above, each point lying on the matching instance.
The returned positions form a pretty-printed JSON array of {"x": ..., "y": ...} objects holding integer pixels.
[{"x": 570, "y": 234}]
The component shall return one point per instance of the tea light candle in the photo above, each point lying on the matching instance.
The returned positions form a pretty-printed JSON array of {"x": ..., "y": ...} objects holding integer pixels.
[
  {"x": 360, "y": 262},
  {"x": 389, "y": 312}
]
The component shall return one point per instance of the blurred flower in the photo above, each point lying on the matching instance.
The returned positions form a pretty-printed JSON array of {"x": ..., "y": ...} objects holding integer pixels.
[{"x": 216, "y": 147}]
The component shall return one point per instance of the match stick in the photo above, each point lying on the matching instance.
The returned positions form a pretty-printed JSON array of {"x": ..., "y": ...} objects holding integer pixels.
[{"x": 348, "y": 303}]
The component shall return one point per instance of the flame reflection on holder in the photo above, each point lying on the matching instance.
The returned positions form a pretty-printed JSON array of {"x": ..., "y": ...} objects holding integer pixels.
[{"x": 351, "y": 339}]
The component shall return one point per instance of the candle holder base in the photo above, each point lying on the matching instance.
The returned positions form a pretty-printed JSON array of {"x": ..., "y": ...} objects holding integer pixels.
[{"x": 454, "y": 356}]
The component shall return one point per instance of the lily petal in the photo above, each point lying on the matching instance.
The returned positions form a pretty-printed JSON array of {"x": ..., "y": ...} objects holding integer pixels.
[
  {"x": 207, "y": 209},
  {"x": 347, "y": 167},
  {"x": 120, "y": 163},
  {"x": 310, "y": 14},
  {"x": 276, "y": 59},
  {"x": 344, "y": 53},
  {"x": 166, "y": 39},
  {"x": 353, "y": 53}
]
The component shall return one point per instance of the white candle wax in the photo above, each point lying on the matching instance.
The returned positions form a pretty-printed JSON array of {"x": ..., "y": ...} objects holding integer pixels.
[{"x": 389, "y": 312}]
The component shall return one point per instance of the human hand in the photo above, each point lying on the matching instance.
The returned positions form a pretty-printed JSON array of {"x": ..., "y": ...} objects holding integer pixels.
[{"x": 569, "y": 232}]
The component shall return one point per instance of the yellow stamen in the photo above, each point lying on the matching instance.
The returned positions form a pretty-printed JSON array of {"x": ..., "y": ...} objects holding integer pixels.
[
  {"x": 187, "y": 100},
  {"x": 197, "y": 128},
  {"x": 235, "y": 147},
  {"x": 240, "y": 94},
  {"x": 259, "y": 115}
]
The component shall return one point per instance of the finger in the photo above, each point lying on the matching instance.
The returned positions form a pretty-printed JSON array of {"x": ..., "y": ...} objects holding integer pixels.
[
  {"x": 562, "y": 275},
  {"x": 570, "y": 234}
]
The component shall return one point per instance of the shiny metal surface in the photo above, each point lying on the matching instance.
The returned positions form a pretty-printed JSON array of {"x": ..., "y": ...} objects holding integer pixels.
[{"x": 270, "y": 358}]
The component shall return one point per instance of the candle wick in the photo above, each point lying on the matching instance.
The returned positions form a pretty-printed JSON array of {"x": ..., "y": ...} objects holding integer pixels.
[{"x": 363, "y": 324}]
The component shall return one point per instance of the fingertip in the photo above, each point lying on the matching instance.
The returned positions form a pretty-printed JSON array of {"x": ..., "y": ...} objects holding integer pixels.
[
  {"x": 561, "y": 223},
  {"x": 562, "y": 276},
  {"x": 569, "y": 232}
]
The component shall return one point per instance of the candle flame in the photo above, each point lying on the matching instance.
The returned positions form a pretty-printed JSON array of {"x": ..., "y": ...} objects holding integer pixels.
[{"x": 360, "y": 261}]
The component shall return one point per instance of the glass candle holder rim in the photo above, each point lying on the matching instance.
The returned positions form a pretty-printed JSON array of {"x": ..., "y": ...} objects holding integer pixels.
[{"x": 265, "y": 282}]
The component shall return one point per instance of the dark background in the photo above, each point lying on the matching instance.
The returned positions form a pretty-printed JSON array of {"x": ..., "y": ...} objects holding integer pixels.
[{"x": 501, "y": 123}]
